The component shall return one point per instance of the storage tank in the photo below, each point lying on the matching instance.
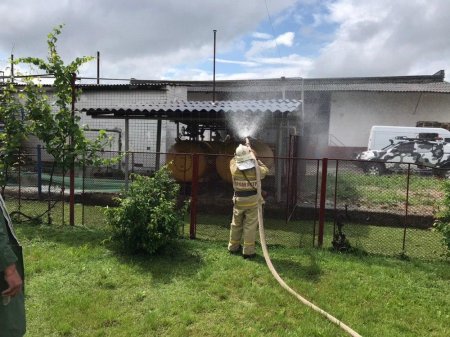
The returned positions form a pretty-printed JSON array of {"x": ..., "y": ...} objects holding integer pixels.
[
  {"x": 263, "y": 152},
  {"x": 223, "y": 160},
  {"x": 180, "y": 154}
]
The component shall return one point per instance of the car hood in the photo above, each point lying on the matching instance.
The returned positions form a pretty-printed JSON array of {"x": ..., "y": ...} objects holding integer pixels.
[{"x": 368, "y": 155}]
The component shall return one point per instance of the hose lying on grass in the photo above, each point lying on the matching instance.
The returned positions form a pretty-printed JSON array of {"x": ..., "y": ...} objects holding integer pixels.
[{"x": 262, "y": 236}]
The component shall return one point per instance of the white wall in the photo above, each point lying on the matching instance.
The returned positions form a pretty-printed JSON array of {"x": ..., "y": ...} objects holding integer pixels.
[{"x": 354, "y": 113}]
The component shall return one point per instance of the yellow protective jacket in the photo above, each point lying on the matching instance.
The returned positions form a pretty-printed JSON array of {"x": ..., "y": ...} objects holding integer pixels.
[{"x": 245, "y": 181}]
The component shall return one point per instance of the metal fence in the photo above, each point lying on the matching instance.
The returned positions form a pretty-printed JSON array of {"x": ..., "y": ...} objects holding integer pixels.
[{"x": 308, "y": 204}]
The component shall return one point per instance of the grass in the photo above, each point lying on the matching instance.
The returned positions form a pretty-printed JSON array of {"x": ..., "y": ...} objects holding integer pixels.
[
  {"x": 419, "y": 243},
  {"x": 77, "y": 285},
  {"x": 387, "y": 190},
  {"x": 388, "y": 241}
]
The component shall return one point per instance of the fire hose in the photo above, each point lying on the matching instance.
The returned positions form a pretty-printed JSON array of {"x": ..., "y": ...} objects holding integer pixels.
[{"x": 272, "y": 269}]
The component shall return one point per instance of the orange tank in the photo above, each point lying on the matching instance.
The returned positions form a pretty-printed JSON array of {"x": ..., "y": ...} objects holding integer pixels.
[
  {"x": 180, "y": 159},
  {"x": 223, "y": 160}
]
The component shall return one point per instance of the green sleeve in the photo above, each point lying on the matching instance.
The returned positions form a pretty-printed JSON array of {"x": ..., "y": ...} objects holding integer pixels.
[{"x": 7, "y": 256}]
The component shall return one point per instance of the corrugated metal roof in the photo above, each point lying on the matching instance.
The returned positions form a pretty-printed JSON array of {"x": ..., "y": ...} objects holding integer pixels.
[
  {"x": 126, "y": 86},
  {"x": 415, "y": 83},
  {"x": 174, "y": 108},
  {"x": 436, "y": 87}
]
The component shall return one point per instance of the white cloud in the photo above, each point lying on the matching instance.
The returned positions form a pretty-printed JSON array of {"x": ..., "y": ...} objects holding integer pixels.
[
  {"x": 242, "y": 63},
  {"x": 262, "y": 36},
  {"x": 173, "y": 39},
  {"x": 140, "y": 39},
  {"x": 258, "y": 47},
  {"x": 383, "y": 37}
]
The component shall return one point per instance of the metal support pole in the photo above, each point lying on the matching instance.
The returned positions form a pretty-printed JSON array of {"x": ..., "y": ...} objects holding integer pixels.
[
  {"x": 12, "y": 68},
  {"x": 194, "y": 195},
  {"x": 323, "y": 195},
  {"x": 408, "y": 176},
  {"x": 127, "y": 148},
  {"x": 158, "y": 144},
  {"x": 39, "y": 171},
  {"x": 72, "y": 162},
  {"x": 98, "y": 67},
  {"x": 214, "y": 68}
]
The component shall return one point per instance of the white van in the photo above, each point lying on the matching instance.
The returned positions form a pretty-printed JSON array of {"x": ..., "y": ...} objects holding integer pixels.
[{"x": 381, "y": 136}]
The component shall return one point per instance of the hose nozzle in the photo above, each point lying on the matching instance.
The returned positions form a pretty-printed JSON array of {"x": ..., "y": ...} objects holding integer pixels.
[{"x": 247, "y": 141}]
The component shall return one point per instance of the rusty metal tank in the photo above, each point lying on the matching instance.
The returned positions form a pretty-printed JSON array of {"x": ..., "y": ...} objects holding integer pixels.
[
  {"x": 263, "y": 151},
  {"x": 181, "y": 160}
]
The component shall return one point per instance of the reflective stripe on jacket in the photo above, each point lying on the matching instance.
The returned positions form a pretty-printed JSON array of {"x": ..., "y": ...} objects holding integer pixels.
[{"x": 246, "y": 181}]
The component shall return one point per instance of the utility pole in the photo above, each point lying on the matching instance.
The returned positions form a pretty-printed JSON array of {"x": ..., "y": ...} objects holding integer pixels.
[
  {"x": 214, "y": 68},
  {"x": 12, "y": 68},
  {"x": 98, "y": 67}
]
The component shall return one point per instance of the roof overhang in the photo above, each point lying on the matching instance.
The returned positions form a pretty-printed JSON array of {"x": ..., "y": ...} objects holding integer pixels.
[{"x": 180, "y": 110}]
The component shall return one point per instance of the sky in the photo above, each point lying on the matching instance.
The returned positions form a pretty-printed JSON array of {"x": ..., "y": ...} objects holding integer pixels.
[{"x": 255, "y": 39}]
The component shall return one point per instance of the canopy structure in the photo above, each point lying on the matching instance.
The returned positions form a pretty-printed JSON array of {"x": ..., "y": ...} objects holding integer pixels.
[
  {"x": 196, "y": 114},
  {"x": 180, "y": 110}
]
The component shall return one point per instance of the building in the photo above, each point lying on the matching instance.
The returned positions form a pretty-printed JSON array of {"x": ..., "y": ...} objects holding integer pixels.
[{"x": 335, "y": 119}]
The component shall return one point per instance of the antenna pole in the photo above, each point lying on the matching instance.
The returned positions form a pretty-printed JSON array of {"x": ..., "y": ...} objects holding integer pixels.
[
  {"x": 214, "y": 68},
  {"x": 98, "y": 67},
  {"x": 12, "y": 68}
]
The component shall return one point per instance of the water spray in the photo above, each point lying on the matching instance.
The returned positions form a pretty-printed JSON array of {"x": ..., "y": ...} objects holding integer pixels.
[{"x": 272, "y": 269}]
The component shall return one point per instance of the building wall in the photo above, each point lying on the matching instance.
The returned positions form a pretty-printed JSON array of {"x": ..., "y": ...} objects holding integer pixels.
[{"x": 352, "y": 114}]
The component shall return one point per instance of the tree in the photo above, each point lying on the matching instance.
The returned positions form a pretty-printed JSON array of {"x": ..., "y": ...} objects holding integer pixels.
[
  {"x": 14, "y": 131},
  {"x": 55, "y": 124}
]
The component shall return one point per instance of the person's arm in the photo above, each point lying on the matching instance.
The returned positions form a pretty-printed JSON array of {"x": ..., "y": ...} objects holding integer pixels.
[
  {"x": 262, "y": 169},
  {"x": 14, "y": 281},
  {"x": 8, "y": 262}
]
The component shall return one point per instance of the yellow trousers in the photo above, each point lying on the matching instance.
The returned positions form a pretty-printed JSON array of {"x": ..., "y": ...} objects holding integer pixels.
[{"x": 244, "y": 225}]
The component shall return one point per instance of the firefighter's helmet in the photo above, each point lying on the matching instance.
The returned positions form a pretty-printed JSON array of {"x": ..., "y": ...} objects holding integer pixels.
[{"x": 244, "y": 157}]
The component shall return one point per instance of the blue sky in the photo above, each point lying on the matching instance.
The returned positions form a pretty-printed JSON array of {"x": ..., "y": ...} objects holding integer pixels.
[{"x": 173, "y": 39}]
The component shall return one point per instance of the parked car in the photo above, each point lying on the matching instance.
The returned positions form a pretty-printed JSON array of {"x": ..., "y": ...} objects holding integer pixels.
[{"x": 418, "y": 154}]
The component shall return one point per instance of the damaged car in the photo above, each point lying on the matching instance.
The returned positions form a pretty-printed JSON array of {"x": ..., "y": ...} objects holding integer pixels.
[{"x": 430, "y": 156}]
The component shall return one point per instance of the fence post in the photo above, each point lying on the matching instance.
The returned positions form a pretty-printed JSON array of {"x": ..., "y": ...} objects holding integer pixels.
[
  {"x": 194, "y": 192},
  {"x": 72, "y": 162},
  {"x": 39, "y": 171},
  {"x": 323, "y": 192},
  {"x": 20, "y": 181},
  {"x": 406, "y": 207}
]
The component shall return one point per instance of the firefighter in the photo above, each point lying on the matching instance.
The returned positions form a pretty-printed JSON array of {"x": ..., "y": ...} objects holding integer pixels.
[
  {"x": 12, "y": 305},
  {"x": 244, "y": 223}
]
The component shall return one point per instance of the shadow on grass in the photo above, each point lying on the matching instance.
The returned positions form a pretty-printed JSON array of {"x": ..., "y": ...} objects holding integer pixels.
[
  {"x": 309, "y": 271},
  {"x": 72, "y": 236},
  {"x": 179, "y": 259}
]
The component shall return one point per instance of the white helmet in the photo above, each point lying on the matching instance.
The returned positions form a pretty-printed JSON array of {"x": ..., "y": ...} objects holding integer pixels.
[{"x": 244, "y": 157}]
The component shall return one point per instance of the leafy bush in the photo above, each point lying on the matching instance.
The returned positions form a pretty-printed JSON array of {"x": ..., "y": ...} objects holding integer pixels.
[
  {"x": 149, "y": 216},
  {"x": 442, "y": 224},
  {"x": 444, "y": 228}
]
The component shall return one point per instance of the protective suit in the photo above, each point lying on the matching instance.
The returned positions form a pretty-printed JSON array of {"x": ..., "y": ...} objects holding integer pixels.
[
  {"x": 12, "y": 309},
  {"x": 244, "y": 223}
]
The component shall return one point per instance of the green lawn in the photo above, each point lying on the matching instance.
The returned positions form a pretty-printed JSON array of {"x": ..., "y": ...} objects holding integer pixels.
[
  {"x": 419, "y": 243},
  {"x": 388, "y": 241},
  {"x": 77, "y": 285}
]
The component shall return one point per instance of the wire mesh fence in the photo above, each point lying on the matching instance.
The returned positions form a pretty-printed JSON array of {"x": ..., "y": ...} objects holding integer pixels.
[{"x": 391, "y": 214}]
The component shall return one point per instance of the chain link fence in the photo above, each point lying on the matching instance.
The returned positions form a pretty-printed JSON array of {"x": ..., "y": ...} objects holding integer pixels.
[
  {"x": 391, "y": 214},
  {"x": 309, "y": 203}
]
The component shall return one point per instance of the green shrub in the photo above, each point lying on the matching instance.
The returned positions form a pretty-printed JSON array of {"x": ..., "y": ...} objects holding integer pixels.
[
  {"x": 444, "y": 228},
  {"x": 442, "y": 224},
  {"x": 149, "y": 215}
]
